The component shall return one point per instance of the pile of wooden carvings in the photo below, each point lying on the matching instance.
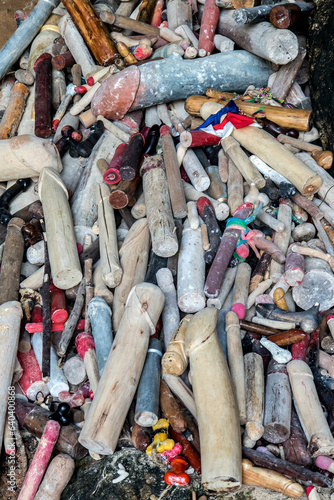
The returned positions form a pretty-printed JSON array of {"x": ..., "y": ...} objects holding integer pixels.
[{"x": 185, "y": 275}]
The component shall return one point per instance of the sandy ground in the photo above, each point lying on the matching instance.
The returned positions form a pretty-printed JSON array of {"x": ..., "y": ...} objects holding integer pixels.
[{"x": 7, "y": 10}]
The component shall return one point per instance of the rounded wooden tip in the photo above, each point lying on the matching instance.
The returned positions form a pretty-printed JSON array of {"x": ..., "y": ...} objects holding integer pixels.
[
  {"x": 323, "y": 158},
  {"x": 173, "y": 364},
  {"x": 231, "y": 319},
  {"x": 146, "y": 419},
  {"x": 118, "y": 199},
  {"x": 200, "y": 328},
  {"x": 254, "y": 430}
]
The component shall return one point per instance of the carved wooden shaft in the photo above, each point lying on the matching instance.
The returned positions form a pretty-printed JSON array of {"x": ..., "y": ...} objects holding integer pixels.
[
  {"x": 64, "y": 259},
  {"x": 281, "y": 240},
  {"x": 177, "y": 197},
  {"x": 10, "y": 320},
  {"x": 122, "y": 371},
  {"x": 309, "y": 409},
  {"x": 110, "y": 266},
  {"x": 157, "y": 201},
  {"x": 277, "y": 414},
  {"x": 11, "y": 261},
  {"x": 236, "y": 362},
  {"x": 93, "y": 31},
  {"x": 216, "y": 409},
  {"x": 208, "y": 26},
  {"x": 240, "y": 290},
  {"x": 133, "y": 256},
  {"x": 254, "y": 398}
]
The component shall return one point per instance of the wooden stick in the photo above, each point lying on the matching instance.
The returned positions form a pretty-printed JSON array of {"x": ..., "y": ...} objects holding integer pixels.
[
  {"x": 236, "y": 362},
  {"x": 123, "y": 368},
  {"x": 215, "y": 408},
  {"x": 171, "y": 408},
  {"x": 266, "y": 478},
  {"x": 295, "y": 448},
  {"x": 72, "y": 321},
  {"x": 86, "y": 349},
  {"x": 110, "y": 266},
  {"x": 240, "y": 290},
  {"x": 298, "y": 143},
  {"x": 11, "y": 261},
  {"x": 133, "y": 259},
  {"x": 64, "y": 260},
  {"x": 233, "y": 150},
  {"x": 10, "y": 319},
  {"x": 76, "y": 45},
  {"x": 261, "y": 39},
  {"x": 175, "y": 361},
  {"x": 100, "y": 315},
  {"x": 33, "y": 418},
  {"x": 147, "y": 403},
  {"x": 129, "y": 24},
  {"x": 191, "y": 194},
  {"x": 93, "y": 31},
  {"x": 235, "y": 188},
  {"x": 309, "y": 409},
  {"x": 157, "y": 201},
  {"x": 277, "y": 414}
]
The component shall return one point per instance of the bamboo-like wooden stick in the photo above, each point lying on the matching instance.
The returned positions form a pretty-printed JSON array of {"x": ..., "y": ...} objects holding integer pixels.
[
  {"x": 122, "y": 371},
  {"x": 254, "y": 398},
  {"x": 216, "y": 409},
  {"x": 11, "y": 261}
]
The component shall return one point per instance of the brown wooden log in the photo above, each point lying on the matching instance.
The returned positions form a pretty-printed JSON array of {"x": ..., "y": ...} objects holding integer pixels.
[
  {"x": 299, "y": 119},
  {"x": 14, "y": 111},
  {"x": 171, "y": 408},
  {"x": 287, "y": 338},
  {"x": 93, "y": 30}
]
